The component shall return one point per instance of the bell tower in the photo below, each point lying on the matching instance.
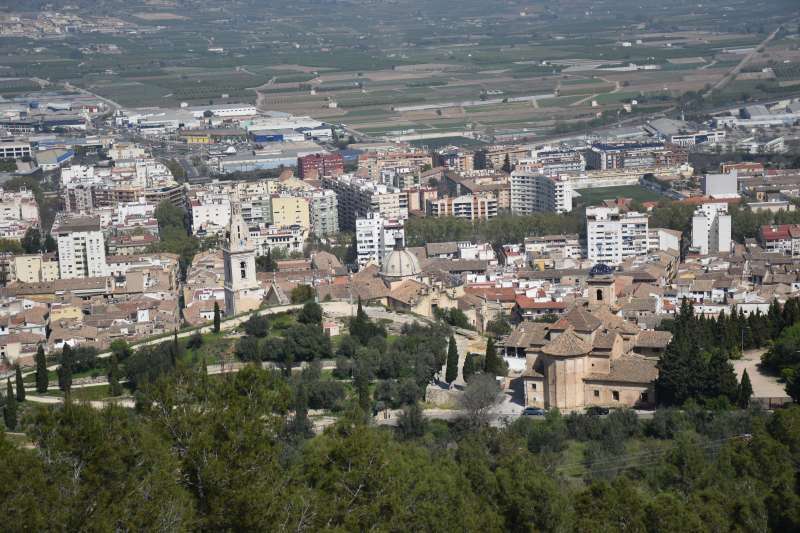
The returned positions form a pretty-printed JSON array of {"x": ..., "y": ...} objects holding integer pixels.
[
  {"x": 601, "y": 286},
  {"x": 239, "y": 256}
]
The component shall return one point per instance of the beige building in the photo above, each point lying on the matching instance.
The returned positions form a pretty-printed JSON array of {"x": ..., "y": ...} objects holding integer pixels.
[
  {"x": 590, "y": 356},
  {"x": 33, "y": 268},
  {"x": 290, "y": 210}
]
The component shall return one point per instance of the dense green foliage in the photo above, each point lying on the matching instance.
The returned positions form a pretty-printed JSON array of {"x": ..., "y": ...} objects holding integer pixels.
[
  {"x": 302, "y": 294},
  {"x": 696, "y": 363},
  {"x": 499, "y": 230},
  {"x": 42, "y": 379},
  {"x": 451, "y": 370},
  {"x": 228, "y": 454}
]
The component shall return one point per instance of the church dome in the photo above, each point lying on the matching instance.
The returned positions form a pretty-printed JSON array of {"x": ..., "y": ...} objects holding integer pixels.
[{"x": 401, "y": 264}]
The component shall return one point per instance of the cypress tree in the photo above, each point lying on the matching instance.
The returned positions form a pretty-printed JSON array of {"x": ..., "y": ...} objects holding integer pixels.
[
  {"x": 42, "y": 379},
  {"x": 217, "y": 318},
  {"x": 10, "y": 410},
  {"x": 493, "y": 364},
  {"x": 451, "y": 371},
  {"x": 745, "y": 391},
  {"x": 114, "y": 388},
  {"x": 362, "y": 390},
  {"x": 20, "y": 385},
  {"x": 65, "y": 369}
]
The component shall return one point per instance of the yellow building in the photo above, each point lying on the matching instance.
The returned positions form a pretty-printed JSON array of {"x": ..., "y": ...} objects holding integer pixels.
[
  {"x": 290, "y": 210},
  {"x": 196, "y": 137},
  {"x": 33, "y": 268}
]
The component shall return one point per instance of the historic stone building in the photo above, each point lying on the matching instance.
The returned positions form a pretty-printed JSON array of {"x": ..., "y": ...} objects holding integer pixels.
[
  {"x": 242, "y": 290},
  {"x": 590, "y": 356}
]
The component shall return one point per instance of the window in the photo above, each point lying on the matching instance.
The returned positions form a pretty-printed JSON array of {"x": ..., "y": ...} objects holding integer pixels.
[
  {"x": 243, "y": 268},
  {"x": 644, "y": 396},
  {"x": 599, "y": 295},
  {"x": 615, "y": 395},
  {"x": 533, "y": 386},
  {"x": 596, "y": 393}
]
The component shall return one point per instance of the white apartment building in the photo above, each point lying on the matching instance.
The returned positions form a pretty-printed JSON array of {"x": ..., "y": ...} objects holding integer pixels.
[
  {"x": 470, "y": 206},
  {"x": 375, "y": 238},
  {"x": 324, "y": 212},
  {"x": 211, "y": 214},
  {"x": 612, "y": 237},
  {"x": 534, "y": 192},
  {"x": 289, "y": 238},
  {"x": 711, "y": 229},
  {"x": 81, "y": 247},
  {"x": 565, "y": 245}
]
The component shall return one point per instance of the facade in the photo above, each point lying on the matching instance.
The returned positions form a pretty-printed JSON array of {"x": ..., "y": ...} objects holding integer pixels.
[
  {"x": 210, "y": 214},
  {"x": 555, "y": 162},
  {"x": 612, "y": 237},
  {"x": 315, "y": 166},
  {"x": 81, "y": 248},
  {"x": 566, "y": 245},
  {"x": 783, "y": 239},
  {"x": 290, "y": 210},
  {"x": 356, "y": 198},
  {"x": 324, "y": 213},
  {"x": 534, "y": 192},
  {"x": 634, "y": 155},
  {"x": 721, "y": 185},
  {"x": 287, "y": 238},
  {"x": 711, "y": 229},
  {"x": 12, "y": 149},
  {"x": 375, "y": 238},
  {"x": 35, "y": 268},
  {"x": 242, "y": 290},
  {"x": 472, "y": 207}
]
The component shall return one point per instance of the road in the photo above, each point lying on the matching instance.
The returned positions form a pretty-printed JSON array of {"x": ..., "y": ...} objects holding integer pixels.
[{"x": 731, "y": 75}]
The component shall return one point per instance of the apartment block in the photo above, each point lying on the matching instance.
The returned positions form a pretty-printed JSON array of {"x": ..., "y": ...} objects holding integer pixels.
[
  {"x": 534, "y": 192},
  {"x": 81, "y": 247},
  {"x": 711, "y": 229},
  {"x": 469, "y": 206},
  {"x": 358, "y": 197},
  {"x": 612, "y": 237},
  {"x": 375, "y": 238}
]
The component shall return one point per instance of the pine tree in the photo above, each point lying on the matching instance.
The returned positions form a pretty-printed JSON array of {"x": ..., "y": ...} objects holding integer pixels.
[
  {"x": 451, "y": 370},
  {"x": 217, "y": 318},
  {"x": 745, "y": 391},
  {"x": 114, "y": 388},
  {"x": 10, "y": 410},
  {"x": 20, "y": 385},
  {"x": 42, "y": 379}
]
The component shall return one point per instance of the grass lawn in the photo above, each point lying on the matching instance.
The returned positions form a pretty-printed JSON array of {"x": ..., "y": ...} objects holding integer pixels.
[{"x": 635, "y": 192}]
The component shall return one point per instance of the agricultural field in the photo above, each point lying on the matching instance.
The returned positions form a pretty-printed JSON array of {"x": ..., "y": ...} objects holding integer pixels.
[{"x": 362, "y": 61}]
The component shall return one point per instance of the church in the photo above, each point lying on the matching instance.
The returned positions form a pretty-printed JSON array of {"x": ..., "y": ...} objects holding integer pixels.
[
  {"x": 589, "y": 356},
  {"x": 243, "y": 292}
]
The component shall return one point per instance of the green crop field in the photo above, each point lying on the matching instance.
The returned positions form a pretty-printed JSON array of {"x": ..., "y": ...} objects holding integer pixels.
[{"x": 634, "y": 192}]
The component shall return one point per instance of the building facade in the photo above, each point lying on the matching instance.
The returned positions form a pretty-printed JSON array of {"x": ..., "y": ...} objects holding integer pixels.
[
  {"x": 711, "y": 229},
  {"x": 612, "y": 237},
  {"x": 81, "y": 248}
]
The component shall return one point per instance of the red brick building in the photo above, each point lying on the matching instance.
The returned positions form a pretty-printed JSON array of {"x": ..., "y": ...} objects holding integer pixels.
[{"x": 318, "y": 165}]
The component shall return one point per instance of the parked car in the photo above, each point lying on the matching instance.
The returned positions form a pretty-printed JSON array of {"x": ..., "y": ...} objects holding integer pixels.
[
  {"x": 596, "y": 410},
  {"x": 533, "y": 411}
]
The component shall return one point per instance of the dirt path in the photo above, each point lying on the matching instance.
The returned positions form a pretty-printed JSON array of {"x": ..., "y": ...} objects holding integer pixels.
[{"x": 764, "y": 385}]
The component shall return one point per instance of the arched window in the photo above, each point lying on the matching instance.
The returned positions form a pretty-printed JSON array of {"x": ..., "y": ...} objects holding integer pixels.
[
  {"x": 599, "y": 295},
  {"x": 243, "y": 268}
]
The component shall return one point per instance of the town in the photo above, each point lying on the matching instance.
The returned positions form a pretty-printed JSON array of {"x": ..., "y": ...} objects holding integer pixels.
[{"x": 306, "y": 304}]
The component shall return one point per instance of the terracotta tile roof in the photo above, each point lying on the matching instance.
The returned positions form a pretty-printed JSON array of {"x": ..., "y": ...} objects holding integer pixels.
[
  {"x": 529, "y": 303},
  {"x": 582, "y": 320},
  {"x": 567, "y": 344},
  {"x": 528, "y": 334},
  {"x": 628, "y": 369},
  {"x": 653, "y": 339},
  {"x": 503, "y": 294},
  {"x": 605, "y": 340},
  {"x": 408, "y": 292}
]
